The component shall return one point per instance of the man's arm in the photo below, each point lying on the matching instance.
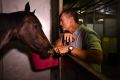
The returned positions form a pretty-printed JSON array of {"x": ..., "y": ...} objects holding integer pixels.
[
  {"x": 92, "y": 53},
  {"x": 92, "y": 56}
]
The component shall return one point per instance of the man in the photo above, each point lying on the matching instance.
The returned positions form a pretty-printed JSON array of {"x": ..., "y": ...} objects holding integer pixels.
[{"x": 83, "y": 41}]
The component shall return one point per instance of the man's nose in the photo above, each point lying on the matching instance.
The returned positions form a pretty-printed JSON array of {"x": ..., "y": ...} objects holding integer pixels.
[{"x": 60, "y": 24}]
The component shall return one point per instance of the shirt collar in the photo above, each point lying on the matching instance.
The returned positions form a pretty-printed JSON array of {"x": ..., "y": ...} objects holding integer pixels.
[{"x": 77, "y": 31}]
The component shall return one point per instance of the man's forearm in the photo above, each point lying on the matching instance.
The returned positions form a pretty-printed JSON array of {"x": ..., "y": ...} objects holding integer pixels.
[{"x": 92, "y": 56}]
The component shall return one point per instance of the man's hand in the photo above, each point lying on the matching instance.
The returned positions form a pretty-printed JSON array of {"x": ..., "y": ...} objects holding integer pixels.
[
  {"x": 61, "y": 49},
  {"x": 68, "y": 37}
]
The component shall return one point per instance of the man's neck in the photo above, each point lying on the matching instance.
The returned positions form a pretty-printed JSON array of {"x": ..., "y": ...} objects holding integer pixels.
[{"x": 74, "y": 27}]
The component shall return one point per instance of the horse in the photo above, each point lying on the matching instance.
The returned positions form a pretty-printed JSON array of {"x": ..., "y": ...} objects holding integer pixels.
[{"x": 26, "y": 27}]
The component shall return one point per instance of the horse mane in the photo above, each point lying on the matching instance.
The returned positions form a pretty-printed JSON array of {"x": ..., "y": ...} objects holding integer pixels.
[{"x": 9, "y": 21}]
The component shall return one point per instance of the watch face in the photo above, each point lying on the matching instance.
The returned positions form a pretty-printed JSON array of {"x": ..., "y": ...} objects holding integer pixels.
[{"x": 71, "y": 48}]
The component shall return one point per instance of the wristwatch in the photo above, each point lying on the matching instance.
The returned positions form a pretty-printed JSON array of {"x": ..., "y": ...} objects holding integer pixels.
[{"x": 70, "y": 48}]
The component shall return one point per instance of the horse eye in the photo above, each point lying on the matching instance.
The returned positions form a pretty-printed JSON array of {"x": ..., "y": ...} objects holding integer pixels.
[{"x": 35, "y": 25}]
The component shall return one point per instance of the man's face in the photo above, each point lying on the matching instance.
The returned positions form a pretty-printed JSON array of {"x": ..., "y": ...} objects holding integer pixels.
[{"x": 65, "y": 22}]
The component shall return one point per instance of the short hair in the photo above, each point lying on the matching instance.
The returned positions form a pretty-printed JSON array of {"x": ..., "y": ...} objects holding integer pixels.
[{"x": 72, "y": 13}]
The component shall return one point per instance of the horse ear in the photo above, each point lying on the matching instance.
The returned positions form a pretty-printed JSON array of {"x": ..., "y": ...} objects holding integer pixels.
[
  {"x": 27, "y": 7},
  {"x": 34, "y": 11}
]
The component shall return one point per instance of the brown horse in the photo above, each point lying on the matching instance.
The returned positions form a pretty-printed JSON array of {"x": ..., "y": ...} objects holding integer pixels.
[{"x": 25, "y": 26}]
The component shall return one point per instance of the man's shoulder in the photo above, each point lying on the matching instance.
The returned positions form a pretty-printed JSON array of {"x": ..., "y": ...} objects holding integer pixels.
[{"x": 86, "y": 29}]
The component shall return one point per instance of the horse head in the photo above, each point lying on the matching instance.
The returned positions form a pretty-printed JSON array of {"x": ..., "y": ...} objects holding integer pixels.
[{"x": 28, "y": 29}]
